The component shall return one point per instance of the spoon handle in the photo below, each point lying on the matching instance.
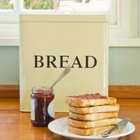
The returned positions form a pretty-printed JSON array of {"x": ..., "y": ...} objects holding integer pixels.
[{"x": 64, "y": 73}]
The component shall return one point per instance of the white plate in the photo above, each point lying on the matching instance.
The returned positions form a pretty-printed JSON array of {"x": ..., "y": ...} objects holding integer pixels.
[{"x": 60, "y": 127}]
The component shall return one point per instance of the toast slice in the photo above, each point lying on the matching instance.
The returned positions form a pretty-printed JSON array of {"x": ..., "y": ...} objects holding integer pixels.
[
  {"x": 92, "y": 124},
  {"x": 94, "y": 109},
  {"x": 94, "y": 116},
  {"x": 87, "y": 100},
  {"x": 88, "y": 131}
]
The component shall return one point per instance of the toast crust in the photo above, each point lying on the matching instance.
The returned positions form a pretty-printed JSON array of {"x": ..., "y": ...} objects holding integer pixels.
[
  {"x": 79, "y": 102},
  {"x": 95, "y": 109},
  {"x": 94, "y": 116},
  {"x": 91, "y": 124}
]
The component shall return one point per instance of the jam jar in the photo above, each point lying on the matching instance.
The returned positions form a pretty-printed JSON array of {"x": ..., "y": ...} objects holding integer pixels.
[{"x": 42, "y": 106}]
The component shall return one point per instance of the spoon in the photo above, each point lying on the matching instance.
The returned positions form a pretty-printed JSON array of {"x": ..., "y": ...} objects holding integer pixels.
[{"x": 64, "y": 73}]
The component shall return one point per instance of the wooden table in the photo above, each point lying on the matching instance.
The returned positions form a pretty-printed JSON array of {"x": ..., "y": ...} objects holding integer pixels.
[{"x": 15, "y": 125}]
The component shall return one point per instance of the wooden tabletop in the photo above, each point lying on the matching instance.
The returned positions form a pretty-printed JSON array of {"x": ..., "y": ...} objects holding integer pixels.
[{"x": 15, "y": 125}]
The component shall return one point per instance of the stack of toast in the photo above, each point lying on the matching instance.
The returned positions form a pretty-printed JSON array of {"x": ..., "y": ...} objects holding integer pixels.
[{"x": 91, "y": 114}]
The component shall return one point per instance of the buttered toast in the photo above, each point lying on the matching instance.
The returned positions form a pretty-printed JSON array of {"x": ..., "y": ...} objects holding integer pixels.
[
  {"x": 94, "y": 109},
  {"x": 91, "y": 124},
  {"x": 91, "y": 114},
  {"x": 88, "y": 131},
  {"x": 87, "y": 100}
]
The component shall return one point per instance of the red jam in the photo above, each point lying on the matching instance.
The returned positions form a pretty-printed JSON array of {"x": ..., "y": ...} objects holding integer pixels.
[
  {"x": 42, "y": 106},
  {"x": 90, "y": 96}
]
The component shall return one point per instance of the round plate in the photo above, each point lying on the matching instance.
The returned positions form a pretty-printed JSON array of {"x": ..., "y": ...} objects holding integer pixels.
[{"x": 60, "y": 127}]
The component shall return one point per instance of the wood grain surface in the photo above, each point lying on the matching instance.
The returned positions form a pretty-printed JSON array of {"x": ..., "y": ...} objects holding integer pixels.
[
  {"x": 16, "y": 125},
  {"x": 118, "y": 91}
]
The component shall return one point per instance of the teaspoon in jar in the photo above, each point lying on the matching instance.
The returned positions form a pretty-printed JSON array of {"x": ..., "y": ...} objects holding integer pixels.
[{"x": 64, "y": 73}]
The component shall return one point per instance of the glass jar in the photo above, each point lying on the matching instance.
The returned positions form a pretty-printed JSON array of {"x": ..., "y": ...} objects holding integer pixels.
[{"x": 42, "y": 106}]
